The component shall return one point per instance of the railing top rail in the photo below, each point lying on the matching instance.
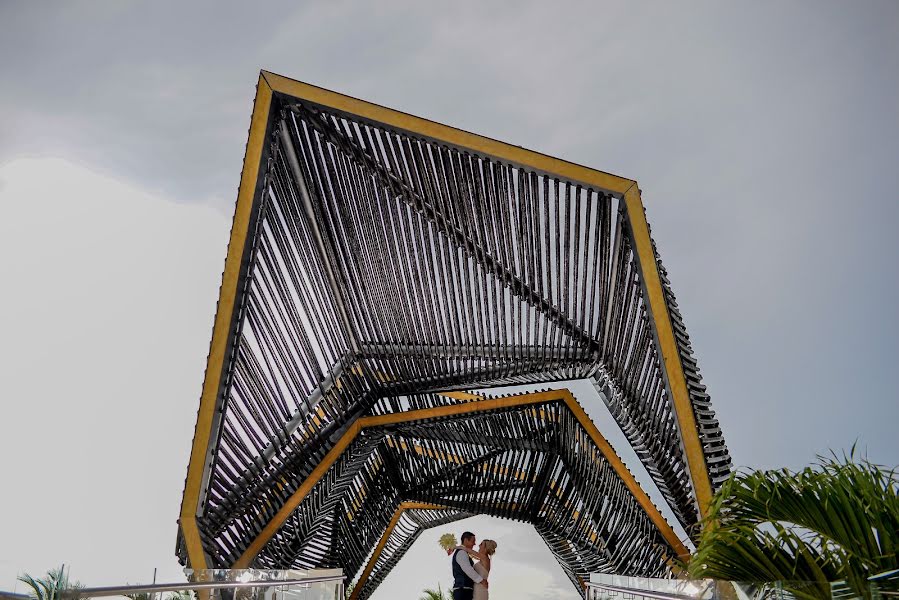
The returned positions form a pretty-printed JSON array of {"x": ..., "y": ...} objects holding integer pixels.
[
  {"x": 640, "y": 592},
  {"x": 121, "y": 590}
]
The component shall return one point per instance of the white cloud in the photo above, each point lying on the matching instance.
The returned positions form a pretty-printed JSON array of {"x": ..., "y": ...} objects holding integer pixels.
[
  {"x": 108, "y": 299},
  {"x": 766, "y": 160},
  {"x": 106, "y": 323}
]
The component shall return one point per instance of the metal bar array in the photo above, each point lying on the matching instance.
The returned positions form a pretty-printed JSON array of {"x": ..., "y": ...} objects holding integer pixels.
[
  {"x": 385, "y": 267},
  {"x": 474, "y": 465}
]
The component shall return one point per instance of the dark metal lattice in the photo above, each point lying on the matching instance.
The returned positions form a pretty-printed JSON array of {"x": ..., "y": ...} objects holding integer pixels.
[
  {"x": 383, "y": 267},
  {"x": 533, "y": 463}
]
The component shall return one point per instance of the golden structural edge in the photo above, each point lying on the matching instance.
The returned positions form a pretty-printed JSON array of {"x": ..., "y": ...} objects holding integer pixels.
[
  {"x": 673, "y": 369},
  {"x": 370, "y": 565},
  {"x": 450, "y": 135},
  {"x": 218, "y": 348}
]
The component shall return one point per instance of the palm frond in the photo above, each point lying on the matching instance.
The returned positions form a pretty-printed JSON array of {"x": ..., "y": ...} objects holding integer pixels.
[
  {"x": 836, "y": 520},
  {"x": 37, "y": 590},
  {"x": 432, "y": 594},
  {"x": 49, "y": 586}
]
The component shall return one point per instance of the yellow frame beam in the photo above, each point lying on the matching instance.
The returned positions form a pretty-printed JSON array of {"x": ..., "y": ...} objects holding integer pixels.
[
  {"x": 293, "y": 502},
  {"x": 271, "y": 85},
  {"x": 370, "y": 566},
  {"x": 443, "y": 133},
  {"x": 673, "y": 370},
  {"x": 221, "y": 332}
]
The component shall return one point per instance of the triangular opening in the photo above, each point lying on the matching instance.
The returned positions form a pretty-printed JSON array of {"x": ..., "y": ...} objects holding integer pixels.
[{"x": 523, "y": 566}]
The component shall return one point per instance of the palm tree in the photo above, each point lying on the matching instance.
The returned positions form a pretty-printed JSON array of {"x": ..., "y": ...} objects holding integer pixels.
[
  {"x": 49, "y": 586},
  {"x": 432, "y": 594},
  {"x": 837, "y": 520}
]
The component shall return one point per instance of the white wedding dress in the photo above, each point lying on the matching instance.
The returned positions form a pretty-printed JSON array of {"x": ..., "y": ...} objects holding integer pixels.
[{"x": 480, "y": 591}]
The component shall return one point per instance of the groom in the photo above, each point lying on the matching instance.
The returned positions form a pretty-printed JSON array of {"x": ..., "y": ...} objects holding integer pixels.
[{"x": 464, "y": 575}]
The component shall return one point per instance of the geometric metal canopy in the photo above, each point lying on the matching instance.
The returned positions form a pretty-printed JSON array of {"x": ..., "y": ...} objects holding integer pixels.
[
  {"x": 533, "y": 457},
  {"x": 379, "y": 266}
]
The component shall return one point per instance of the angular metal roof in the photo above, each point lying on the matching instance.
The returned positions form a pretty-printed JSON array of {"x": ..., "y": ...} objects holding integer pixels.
[{"x": 377, "y": 259}]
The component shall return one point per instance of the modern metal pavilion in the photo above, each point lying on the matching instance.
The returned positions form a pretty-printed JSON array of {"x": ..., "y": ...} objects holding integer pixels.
[{"x": 383, "y": 271}]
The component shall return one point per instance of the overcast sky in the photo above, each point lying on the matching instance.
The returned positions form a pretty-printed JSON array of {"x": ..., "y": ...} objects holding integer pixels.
[{"x": 764, "y": 135}]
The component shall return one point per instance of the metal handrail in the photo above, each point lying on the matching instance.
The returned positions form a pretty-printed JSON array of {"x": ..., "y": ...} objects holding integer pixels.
[
  {"x": 637, "y": 592},
  {"x": 120, "y": 590}
]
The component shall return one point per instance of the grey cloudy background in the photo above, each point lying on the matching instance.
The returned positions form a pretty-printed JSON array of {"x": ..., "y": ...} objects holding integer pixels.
[{"x": 765, "y": 137}]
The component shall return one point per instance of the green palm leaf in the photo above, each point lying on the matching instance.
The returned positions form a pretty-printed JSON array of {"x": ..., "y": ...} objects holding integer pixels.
[
  {"x": 836, "y": 520},
  {"x": 37, "y": 590},
  {"x": 49, "y": 586},
  {"x": 432, "y": 594}
]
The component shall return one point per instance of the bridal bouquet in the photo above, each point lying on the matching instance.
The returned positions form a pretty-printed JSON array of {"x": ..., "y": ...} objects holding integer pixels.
[{"x": 447, "y": 541}]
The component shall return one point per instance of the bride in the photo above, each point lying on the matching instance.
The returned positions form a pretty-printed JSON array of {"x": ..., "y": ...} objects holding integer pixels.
[{"x": 484, "y": 556}]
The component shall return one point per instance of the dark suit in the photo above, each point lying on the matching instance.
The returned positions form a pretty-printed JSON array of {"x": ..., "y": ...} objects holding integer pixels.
[{"x": 463, "y": 585}]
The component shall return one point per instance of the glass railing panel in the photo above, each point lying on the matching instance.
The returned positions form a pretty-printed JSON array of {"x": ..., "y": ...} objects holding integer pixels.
[
  {"x": 695, "y": 589},
  {"x": 615, "y": 587},
  {"x": 312, "y": 584},
  {"x": 601, "y": 586}
]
